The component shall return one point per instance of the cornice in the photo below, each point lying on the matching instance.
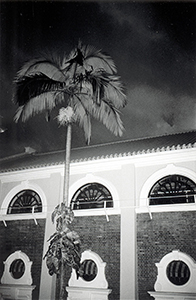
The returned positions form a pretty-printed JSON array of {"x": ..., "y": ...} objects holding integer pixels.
[{"x": 110, "y": 156}]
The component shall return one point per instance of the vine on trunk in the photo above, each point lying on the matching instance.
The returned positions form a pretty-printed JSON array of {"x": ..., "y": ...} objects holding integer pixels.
[{"x": 65, "y": 245}]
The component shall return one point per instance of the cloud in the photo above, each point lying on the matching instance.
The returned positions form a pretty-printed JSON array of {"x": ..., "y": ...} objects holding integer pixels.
[{"x": 152, "y": 112}]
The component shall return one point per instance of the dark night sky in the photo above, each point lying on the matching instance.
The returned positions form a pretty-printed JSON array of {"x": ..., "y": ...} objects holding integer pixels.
[{"x": 152, "y": 43}]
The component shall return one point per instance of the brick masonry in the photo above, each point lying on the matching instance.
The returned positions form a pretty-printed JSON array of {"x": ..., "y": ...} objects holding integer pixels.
[
  {"x": 103, "y": 238},
  {"x": 28, "y": 237},
  {"x": 155, "y": 238}
]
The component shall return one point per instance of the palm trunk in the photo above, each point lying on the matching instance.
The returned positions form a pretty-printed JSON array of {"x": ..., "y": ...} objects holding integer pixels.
[
  {"x": 66, "y": 202},
  {"x": 67, "y": 166},
  {"x": 62, "y": 284}
]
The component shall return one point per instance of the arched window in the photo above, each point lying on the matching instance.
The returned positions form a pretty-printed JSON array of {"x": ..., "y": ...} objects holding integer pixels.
[
  {"x": 172, "y": 189},
  {"x": 26, "y": 201},
  {"x": 92, "y": 195}
]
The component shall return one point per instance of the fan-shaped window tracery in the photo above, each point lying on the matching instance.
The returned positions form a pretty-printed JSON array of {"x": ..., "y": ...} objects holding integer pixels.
[
  {"x": 172, "y": 189},
  {"x": 26, "y": 201},
  {"x": 92, "y": 195}
]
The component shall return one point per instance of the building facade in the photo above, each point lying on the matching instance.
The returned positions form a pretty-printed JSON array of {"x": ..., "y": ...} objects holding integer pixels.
[{"x": 134, "y": 207}]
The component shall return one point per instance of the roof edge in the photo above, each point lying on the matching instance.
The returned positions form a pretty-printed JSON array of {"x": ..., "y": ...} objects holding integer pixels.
[{"x": 116, "y": 155}]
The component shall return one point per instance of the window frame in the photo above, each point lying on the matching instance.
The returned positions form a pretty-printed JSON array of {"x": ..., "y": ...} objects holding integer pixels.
[
  {"x": 88, "y": 178},
  {"x": 164, "y": 284},
  {"x": 163, "y": 190},
  {"x": 26, "y": 193},
  {"x": 22, "y": 216},
  {"x": 170, "y": 169},
  {"x": 95, "y": 188}
]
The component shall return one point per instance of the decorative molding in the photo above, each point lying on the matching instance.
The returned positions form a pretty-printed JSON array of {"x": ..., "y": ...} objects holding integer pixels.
[
  {"x": 16, "y": 292},
  {"x": 165, "y": 208},
  {"x": 99, "y": 282},
  {"x": 109, "y": 156},
  {"x": 163, "y": 284},
  {"x": 168, "y": 170},
  {"x": 80, "y": 293},
  {"x": 92, "y": 178},
  {"x": 11, "y": 217},
  {"x": 23, "y": 185},
  {"x": 172, "y": 296},
  {"x": 140, "y": 152},
  {"x": 97, "y": 212},
  {"x": 26, "y": 278}
]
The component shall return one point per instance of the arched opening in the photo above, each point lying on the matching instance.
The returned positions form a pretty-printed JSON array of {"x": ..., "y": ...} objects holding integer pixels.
[
  {"x": 26, "y": 201},
  {"x": 91, "y": 195},
  {"x": 172, "y": 189}
]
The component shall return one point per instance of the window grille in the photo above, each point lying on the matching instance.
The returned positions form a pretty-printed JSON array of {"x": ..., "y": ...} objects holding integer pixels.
[
  {"x": 172, "y": 189},
  {"x": 92, "y": 195},
  {"x": 26, "y": 201},
  {"x": 17, "y": 268},
  {"x": 178, "y": 272},
  {"x": 88, "y": 269}
]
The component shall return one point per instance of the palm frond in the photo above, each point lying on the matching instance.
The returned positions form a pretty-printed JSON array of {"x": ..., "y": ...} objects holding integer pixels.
[
  {"x": 45, "y": 101},
  {"x": 94, "y": 81},
  {"x": 114, "y": 91},
  {"x": 71, "y": 63},
  {"x": 24, "y": 69},
  {"x": 67, "y": 59},
  {"x": 97, "y": 59},
  {"x": 105, "y": 86},
  {"x": 109, "y": 116},
  {"x": 18, "y": 113},
  {"x": 86, "y": 122},
  {"x": 86, "y": 79},
  {"x": 105, "y": 112},
  {"x": 81, "y": 114},
  {"x": 86, "y": 58},
  {"x": 32, "y": 86},
  {"x": 41, "y": 66}
]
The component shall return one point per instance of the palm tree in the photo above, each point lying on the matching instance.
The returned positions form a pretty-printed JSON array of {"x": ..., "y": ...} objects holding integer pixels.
[{"x": 86, "y": 82}]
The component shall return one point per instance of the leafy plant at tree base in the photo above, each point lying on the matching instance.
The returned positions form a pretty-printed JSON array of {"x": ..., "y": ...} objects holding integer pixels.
[{"x": 64, "y": 248}]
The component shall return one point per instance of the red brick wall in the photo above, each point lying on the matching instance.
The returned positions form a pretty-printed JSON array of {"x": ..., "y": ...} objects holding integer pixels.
[
  {"x": 28, "y": 237},
  {"x": 103, "y": 238},
  {"x": 155, "y": 238}
]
